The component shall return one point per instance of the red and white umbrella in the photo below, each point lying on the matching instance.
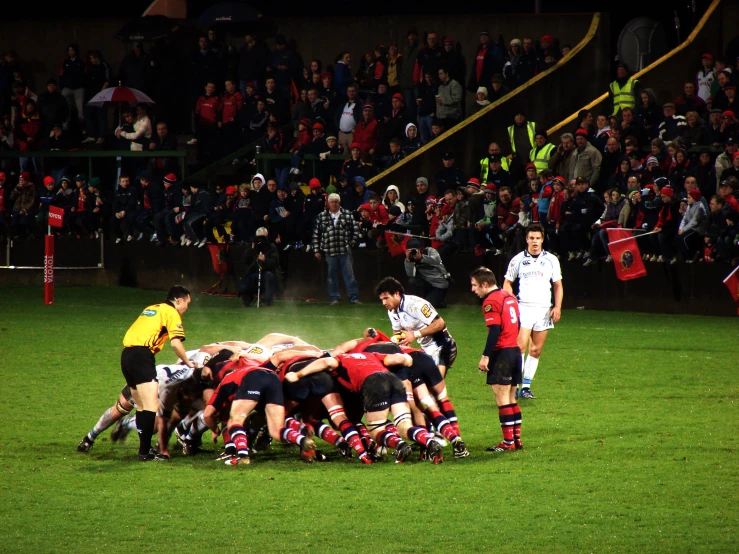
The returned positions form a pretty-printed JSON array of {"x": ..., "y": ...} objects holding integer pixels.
[{"x": 120, "y": 95}]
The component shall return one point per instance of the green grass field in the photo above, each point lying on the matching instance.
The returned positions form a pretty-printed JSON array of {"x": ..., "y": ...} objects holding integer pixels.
[{"x": 630, "y": 447}]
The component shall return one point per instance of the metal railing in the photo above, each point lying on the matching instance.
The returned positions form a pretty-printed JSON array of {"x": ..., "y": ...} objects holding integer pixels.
[{"x": 264, "y": 161}]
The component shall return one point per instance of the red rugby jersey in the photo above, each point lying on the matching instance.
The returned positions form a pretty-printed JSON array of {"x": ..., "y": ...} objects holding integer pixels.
[
  {"x": 355, "y": 368},
  {"x": 500, "y": 307}
]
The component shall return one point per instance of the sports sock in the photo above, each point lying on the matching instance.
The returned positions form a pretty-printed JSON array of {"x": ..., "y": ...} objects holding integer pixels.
[
  {"x": 529, "y": 370},
  {"x": 238, "y": 435},
  {"x": 516, "y": 422},
  {"x": 290, "y": 436},
  {"x": 198, "y": 427},
  {"x": 420, "y": 435},
  {"x": 448, "y": 410},
  {"x": 391, "y": 440},
  {"x": 129, "y": 422},
  {"x": 392, "y": 428},
  {"x": 226, "y": 436},
  {"x": 105, "y": 421},
  {"x": 443, "y": 426},
  {"x": 351, "y": 435},
  {"x": 145, "y": 425},
  {"x": 326, "y": 433},
  {"x": 294, "y": 424},
  {"x": 523, "y": 361},
  {"x": 505, "y": 414}
]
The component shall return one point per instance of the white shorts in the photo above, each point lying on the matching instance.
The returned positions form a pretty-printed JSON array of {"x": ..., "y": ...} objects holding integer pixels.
[{"x": 535, "y": 318}]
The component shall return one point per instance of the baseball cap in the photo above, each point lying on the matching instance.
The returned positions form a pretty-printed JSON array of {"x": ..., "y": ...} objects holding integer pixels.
[{"x": 447, "y": 156}]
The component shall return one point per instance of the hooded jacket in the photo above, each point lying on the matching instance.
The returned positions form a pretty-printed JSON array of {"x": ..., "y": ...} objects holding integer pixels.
[
  {"x": 397, "y": 202},
  {"x": 411, "y": 145}
]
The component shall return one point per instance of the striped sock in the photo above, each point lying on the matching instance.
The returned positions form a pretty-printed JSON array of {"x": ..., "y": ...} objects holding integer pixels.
[{"x": 505, "y": 414}]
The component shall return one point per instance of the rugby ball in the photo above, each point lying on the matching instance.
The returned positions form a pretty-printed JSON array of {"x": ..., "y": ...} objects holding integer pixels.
[{"x": 397, "y": 336}]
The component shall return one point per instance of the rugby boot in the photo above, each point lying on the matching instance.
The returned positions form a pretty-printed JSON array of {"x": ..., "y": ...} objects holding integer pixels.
[
  {"x": 153, "y": 456},
  {"x": 433, "y": 452},
  {"x": 402, "y": 453},
  {"x": 460, "y": 448},
  {"x": 526, "y": 393},
  {"x": 502, "y": 447},
  {"x": 85, "y": 444},
  {"x": 119, "y": 432},
  {"x": 308, "y": 450},
  {"x": 241, "y": 459}
]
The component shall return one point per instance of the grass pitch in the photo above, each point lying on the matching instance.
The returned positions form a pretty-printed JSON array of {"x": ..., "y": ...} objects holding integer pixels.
[{"x": 630, "y": 447}]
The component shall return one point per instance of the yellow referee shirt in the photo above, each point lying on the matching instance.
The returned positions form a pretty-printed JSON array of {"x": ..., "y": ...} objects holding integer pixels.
[{"x": 155, "y": 325}]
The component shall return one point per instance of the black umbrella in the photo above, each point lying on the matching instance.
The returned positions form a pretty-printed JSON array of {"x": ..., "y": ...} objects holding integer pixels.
[
  {"x": 229, "y": 12},
  {"x": 147, "y": 29}
]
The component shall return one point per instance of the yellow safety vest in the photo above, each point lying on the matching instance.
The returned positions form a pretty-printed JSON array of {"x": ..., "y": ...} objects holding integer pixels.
[
  {"x": 622, "y": 97},
  {"x": 532, "y": 133},
  {"x": 485, "y": 166},
  {"x": 541, "y": 158}
]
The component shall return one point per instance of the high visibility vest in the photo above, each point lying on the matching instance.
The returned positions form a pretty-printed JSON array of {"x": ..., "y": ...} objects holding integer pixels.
[
  {"x": 541, "y": 158},
  {"x": 622, "y": 97},
  {"x": 485, "y": 167},
  {"x": 532, "y": 133}
]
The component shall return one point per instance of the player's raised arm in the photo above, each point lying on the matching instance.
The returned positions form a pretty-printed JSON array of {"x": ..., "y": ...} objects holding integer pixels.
[
  {"x": 179, "y": 349},
  {"x": 321, "y": 364}
]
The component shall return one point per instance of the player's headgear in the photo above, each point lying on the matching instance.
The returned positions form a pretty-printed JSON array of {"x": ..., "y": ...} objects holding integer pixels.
[{"x": 384, "y": 348}]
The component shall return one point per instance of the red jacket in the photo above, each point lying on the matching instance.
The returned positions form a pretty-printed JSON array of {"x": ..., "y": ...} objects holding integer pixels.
[
  {"x": 28, "y": 127},
  {"x": 303, "y": 140},
  {"x": 365, "y": 134},
  {"x": 555, "y": 207},
  {"x": 207, "y": 109},
  {"x": 509, "y": 215},
  {"x": 380, "y": 215},
  {"x": 230, "y": 105}
]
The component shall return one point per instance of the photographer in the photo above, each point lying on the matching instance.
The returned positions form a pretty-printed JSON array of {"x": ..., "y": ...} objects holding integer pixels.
[
  {"x": 261, "y": 256},
  {"x": 427, "y": 276}
]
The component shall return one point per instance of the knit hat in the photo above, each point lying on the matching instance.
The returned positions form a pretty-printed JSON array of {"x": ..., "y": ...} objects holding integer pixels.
[
  {"x": 354, "y": 145},
  {"x": 430, "y": 199},
  {"x": 170, "y": 178},
  {"x": 314, "y": 183},
  {"x": 305, "y": 121},
  {"x": 394, "y": 210},
  {"x": 326, "y": 74},
  {"x": 94, "y": 183},
  {"x": 446, "y": 209},
  {"x": 734, "y": 155},
  {"x": 652, "y": 160},
  {"x": 422, "y": 180},
  {"x": 667, "y": 191},
  {"x": 81, "y": 177},
  {"x": 413, "y": 243},
  {"x": 26, "y": 175},
  {"x": 490, "y": 187},
  {"x": 48, "y": 181},
  {"x": 473, "y": 182},
  {"x": 317, "y": 125},
  {"x": 728, "y": 113},
  {"x": 331, "y": 189},
  {"x": 530, "y": 166},
  {"x": 695, "y": 195},
  {"x": 330, "y": 137},
  {"x": 547, "y": 38},
  {"x": 497, "y": 78},
  {"x": 447, "y": 156},
  {"x": 515, "y": 41},
  {"x": 482, "y": 90},
  {"x": 250, "y": 84},
  {"x": 633, "y": 193},
  {"x": 581, "y": 133},
  {"x": 668, "y": 105},
  {"x": 231, "y": 190},
  {"x": 708, "y": 56},
  {"x": 398, "y": 96},
  {"x": 365, "y": 206},
  {"x": 368, "y": 106}
]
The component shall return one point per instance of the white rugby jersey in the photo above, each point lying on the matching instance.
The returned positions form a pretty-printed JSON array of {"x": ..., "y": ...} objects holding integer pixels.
[
  {"x": 705, "y": 84},
  {"x": 415, "y": 313},
  {"x": 535, "y": 277}
]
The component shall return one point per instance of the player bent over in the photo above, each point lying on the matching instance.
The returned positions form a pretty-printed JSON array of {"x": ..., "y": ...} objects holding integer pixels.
[
  {"x": 381, "y": 393},
  {"x": 500, "y": 359},
  {"x": 538, "y": 273}
]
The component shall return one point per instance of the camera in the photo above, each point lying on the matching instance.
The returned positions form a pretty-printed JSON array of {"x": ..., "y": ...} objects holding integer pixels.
[{"x": 414, "y": 252}]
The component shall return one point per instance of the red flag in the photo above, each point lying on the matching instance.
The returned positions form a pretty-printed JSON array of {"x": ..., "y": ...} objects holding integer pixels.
[
  {"x": 218, "y": 255},
  {"x": 396, "y": 242},
  {"x": 56, "y": 216},
  {"x": 732, "y": 282},
  {"x": 627, "y": 259},
  {"x": 618, "y": 234}
]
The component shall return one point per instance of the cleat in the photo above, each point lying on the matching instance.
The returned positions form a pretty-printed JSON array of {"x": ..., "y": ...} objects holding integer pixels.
[
  {"x": 365, "y": 459},
  {"x": 402, "y": 453},
  {"x": 153, "y": 456},
  {"x": 460, "y": 449},
  {"x": 85, "y": 444},
  {"x": 518, "y": 444},
  {"x": 321, "y": 457},
  {"x": 589, "y": 262},
  {"x": 119, "y": 432},
  {"x": 190, "y": 448},
  {"x": 422, "y": 454},
  {"x": 241, "y": 459},
  {"x": 308, "y": 450},
  {"x": 229, "y": 452},
  {"x": 526, "y": 393},
  {"x": 441, "y": 439},
  {"x": 501, "y": 447},
  {"x": 345, "y": 450},
  {"x": 433, "y": 452},
  {"x": 263, "y": 440}
]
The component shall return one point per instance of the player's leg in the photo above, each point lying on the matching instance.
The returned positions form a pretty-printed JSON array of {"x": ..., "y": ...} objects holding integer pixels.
[
  {"x": 240, "y": 409},
  {"x": 504, "y": 374},
  {"x": 442, "y": 424},
  {"x": 276, "y": 424},
  {"x": 402, "y": 420},
  {"x": 137, "y": 365},
  {"x": 502, "y": 395},
  {"x": 121, "y": 408},
  {"x": 336, "y": 412},
  {"x": 516, "y": 418},
  {"x": 536, "y": 346}
]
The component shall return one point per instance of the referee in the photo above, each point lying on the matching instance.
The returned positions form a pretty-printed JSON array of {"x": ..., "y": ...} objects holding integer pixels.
[{"x": 144, "y": 338}]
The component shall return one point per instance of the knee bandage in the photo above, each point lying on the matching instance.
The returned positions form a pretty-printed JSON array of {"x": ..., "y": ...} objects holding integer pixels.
[
  {"x": 442, "y": 395},
  {"x": 426, "y": 402},
  {"x": 121, "y": 409},
  {"x": 376, "y": 425},
  {"x": 399, "y": 419}
]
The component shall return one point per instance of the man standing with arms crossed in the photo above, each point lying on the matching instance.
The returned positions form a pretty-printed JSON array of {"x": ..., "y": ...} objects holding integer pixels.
[
  {"x": 500, "y": 359},
  {"x": 142, "y": 341},
  {"x": 538, "y": 272}
]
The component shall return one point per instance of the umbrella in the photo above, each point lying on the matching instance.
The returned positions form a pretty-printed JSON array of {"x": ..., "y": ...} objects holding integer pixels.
[
  {"x": 120, "y": 95},
  {"x": 229, "y": 12},
  {"x": 147, "y": 29}
]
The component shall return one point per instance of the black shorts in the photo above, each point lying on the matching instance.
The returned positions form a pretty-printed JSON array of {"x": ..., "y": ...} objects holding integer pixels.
[
  {"x": 316, "y": 384},
  {"x": 380, "y": 391},
  {"x": 261, "y": 385},
  {"x": 504, "y": 367},
  {"x": 448, "y": 353},
  {"x": 424, "y": 370},
  {"x": 138, "y": 366}
]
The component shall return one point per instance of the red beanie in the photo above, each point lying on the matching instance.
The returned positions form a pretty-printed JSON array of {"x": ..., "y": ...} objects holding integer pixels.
[
  {"x": 667, "y": 191},
  {"x": 354, "y": 145},
  {"x": 231, "y": 190},
  {"x": 170, "y": 178},
  {"x": 325, "y": 74},
  {"x": 317, "y": 125},
  {"x": 695, "y": 195},
  {"x": 530, "y": 166},
  {"x": 26, "y": 175},
  {"x": 547, "y": 38},
  {"x": 491, "y": 186},
  {"x": 48, "y": 181},
  {"x": 581, "y": 133},
  {"x": 398, "y": 96},
  {"x": 2, "y": 176},
  {"x": 314, "y": 183}
]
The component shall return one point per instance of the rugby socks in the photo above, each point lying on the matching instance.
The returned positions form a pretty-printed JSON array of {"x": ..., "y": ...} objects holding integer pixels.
[
  {"x": 290, "y": 436},
  {"x": 448, "y": 410},
  {"x": 390, "y": 439},
  {"x": 294, "y": 424},
  {"x": 326, "y": 433},
  {"x": 529, "y": 370},
  {"x": 443, "y": 426},
  {"x": 516, "y": 424},
  {"x": 507, "y": 421},
  {"x": 105, "y": 421},
  {"x": 238, "y": 436},
  {"x": 351, "y": 435},
  {"x": 420, "y": 435},
  {"x": 197, "y": 428},
  {"x": 129, "y": 422},
  {"x": 145, "y": 425},
  {"x": 226, "y": 436},
  {"x": 364, "y": 434}
]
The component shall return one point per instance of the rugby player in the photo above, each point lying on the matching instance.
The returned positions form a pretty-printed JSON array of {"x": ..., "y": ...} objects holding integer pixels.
[
  {"x": 500, "y": 358},
  {"x": 142, "y": 341},
  {"x": 538, "y": 273},
  {"x": 381, "y": 392},
  {"x": 418, "y": 321}
]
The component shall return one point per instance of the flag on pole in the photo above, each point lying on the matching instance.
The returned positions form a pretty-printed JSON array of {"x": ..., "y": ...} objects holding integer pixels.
[
  {"x": 396, "y": 242},
  {"x": 56, "y": 216},
  {"x": 626, "y": 256},
  {"x": 732, "y": 282}
]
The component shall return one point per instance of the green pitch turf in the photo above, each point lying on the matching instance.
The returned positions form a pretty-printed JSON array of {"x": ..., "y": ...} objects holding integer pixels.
[{"x": 630, "y": 446}]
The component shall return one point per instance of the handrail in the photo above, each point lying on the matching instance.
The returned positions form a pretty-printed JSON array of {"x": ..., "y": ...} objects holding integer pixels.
[
  {"x": 268, "y": 157},
  {"x": 679, "y": 48},
  {"x": 462, "y": 124}
]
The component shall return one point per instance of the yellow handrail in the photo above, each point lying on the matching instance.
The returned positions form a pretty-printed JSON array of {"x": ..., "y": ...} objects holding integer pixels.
[
  {"x": 698, "y": 28},
  {"x": 459, "y": 126}
]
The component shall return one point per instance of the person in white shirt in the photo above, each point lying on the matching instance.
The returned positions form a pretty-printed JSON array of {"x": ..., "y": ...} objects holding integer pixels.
[
  {"x": 347, "y": 117},
  {"x": 705, "y": 79},
  {"x": 538, "y": 273},
  {"x": 419, "y": 321}
]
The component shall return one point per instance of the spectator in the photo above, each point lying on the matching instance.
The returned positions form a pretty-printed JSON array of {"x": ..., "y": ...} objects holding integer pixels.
[
  {"x": 585, "y": 208},
  {"x": 448, "y": 99},
  {"x": 263, "y": 275},
  {"x": 430, "y": 58},
  {"x": 528, "y": 62},
  {"x": 412, "y": 141},
  {"x": 352, "y": 166},
  {"x": 624, "y": 90},
  {"x": 426, "y": 102},
  {"x": 725, "y": 160},
  {"x": 52, "y": 106},
  {"x": 706, "y": 78},
  {"x": 406, "y": 79},
  {"x": 733, "y": 170},
  {"x": 229, "y": 121},
  {"x": 99, "y": 77},
  {"x": 693, "y": 135},
  {"x": 586, "y": 122},
  {"x": 690, "y": 101},
  {"x": 427, "y": 276},
  {"x": 396, "y": 154},
  {"x": 318, "y": 143},
  {"x": 681, "y": 169},
  {"x": 361, "y": 195},
  {"x": 365, "y": 133},
  {"x": 418, "y": 201},
  {"x": 59, "y": 140},
  {"x": 332, "y": 101},
  {"x": 522, "y": 137},
  {"x": 454, "y": 62},
  {"x": 542, "y": 151},
  {"x": 394, "y": 66},
  {"x": 347, "y": 118},
  {"x": 499, "y": 176},
  {"x": 29, "y": 137},
  {"x": 21, "y": 94},
  {"x": 242, "y": 223},
  {"x": 164, "y": 224},
  {"x": 725, "y": 244},
  {"x": 631, "y": 127},
  {"x": 608, "y": 219},
  {"x": 715, "y": 226},
  {"x": 497, "y": 89},
  {"x": 253, "y": 57},
  {"x": 392, "y": 198},
  {"x": 23, "y": 201},
  {"x": 124, "y": 210},
  {"x": 620, "y": 179},
  {"x": 163, "y": 141},
  {"x": 610, "y": 162},
  {"x": 283, "y": 66},
  {"x": 489, "y": 62},
  {"x": 314, "y": 204},
  {"x": 672, "y": 126},
  {"x": 705, "y": 174},
  {"x": 343, "y": 73},
  {"x": 448, "y": 177},
  {"x": 381, "y": 101},
  {"x": 666, "y": 226},
  {"x": 441, "y": 224},
  {"x": 203, "y": 70},
  {"x": 366, "y": 75},
  {"x": 462, "y": 225},
  {"x": 481, "y": 100},
  {"x": 151, "y": 202},
  {"x": 586, "y": 160},
  {"x": 719, "y": 100},
  {"x": 259, "y": 121},
  {"x": 731, "y": 104},
  {"x": 136, "y": 69},
  {"x": 141, "y": 133},
  {"x": 334, "y": 235},
  {"x": 649, "y": 113},
  {"x": 277, "y": 103},
  {"x": 729, "y": 123},
  {"x": 510, "y": 68},
  {"x": 201, "y": 209},
  {"x": 602, "y": 133},
  {"x": 391, "y": 127},
  {"x": 72, "y": 80}
]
